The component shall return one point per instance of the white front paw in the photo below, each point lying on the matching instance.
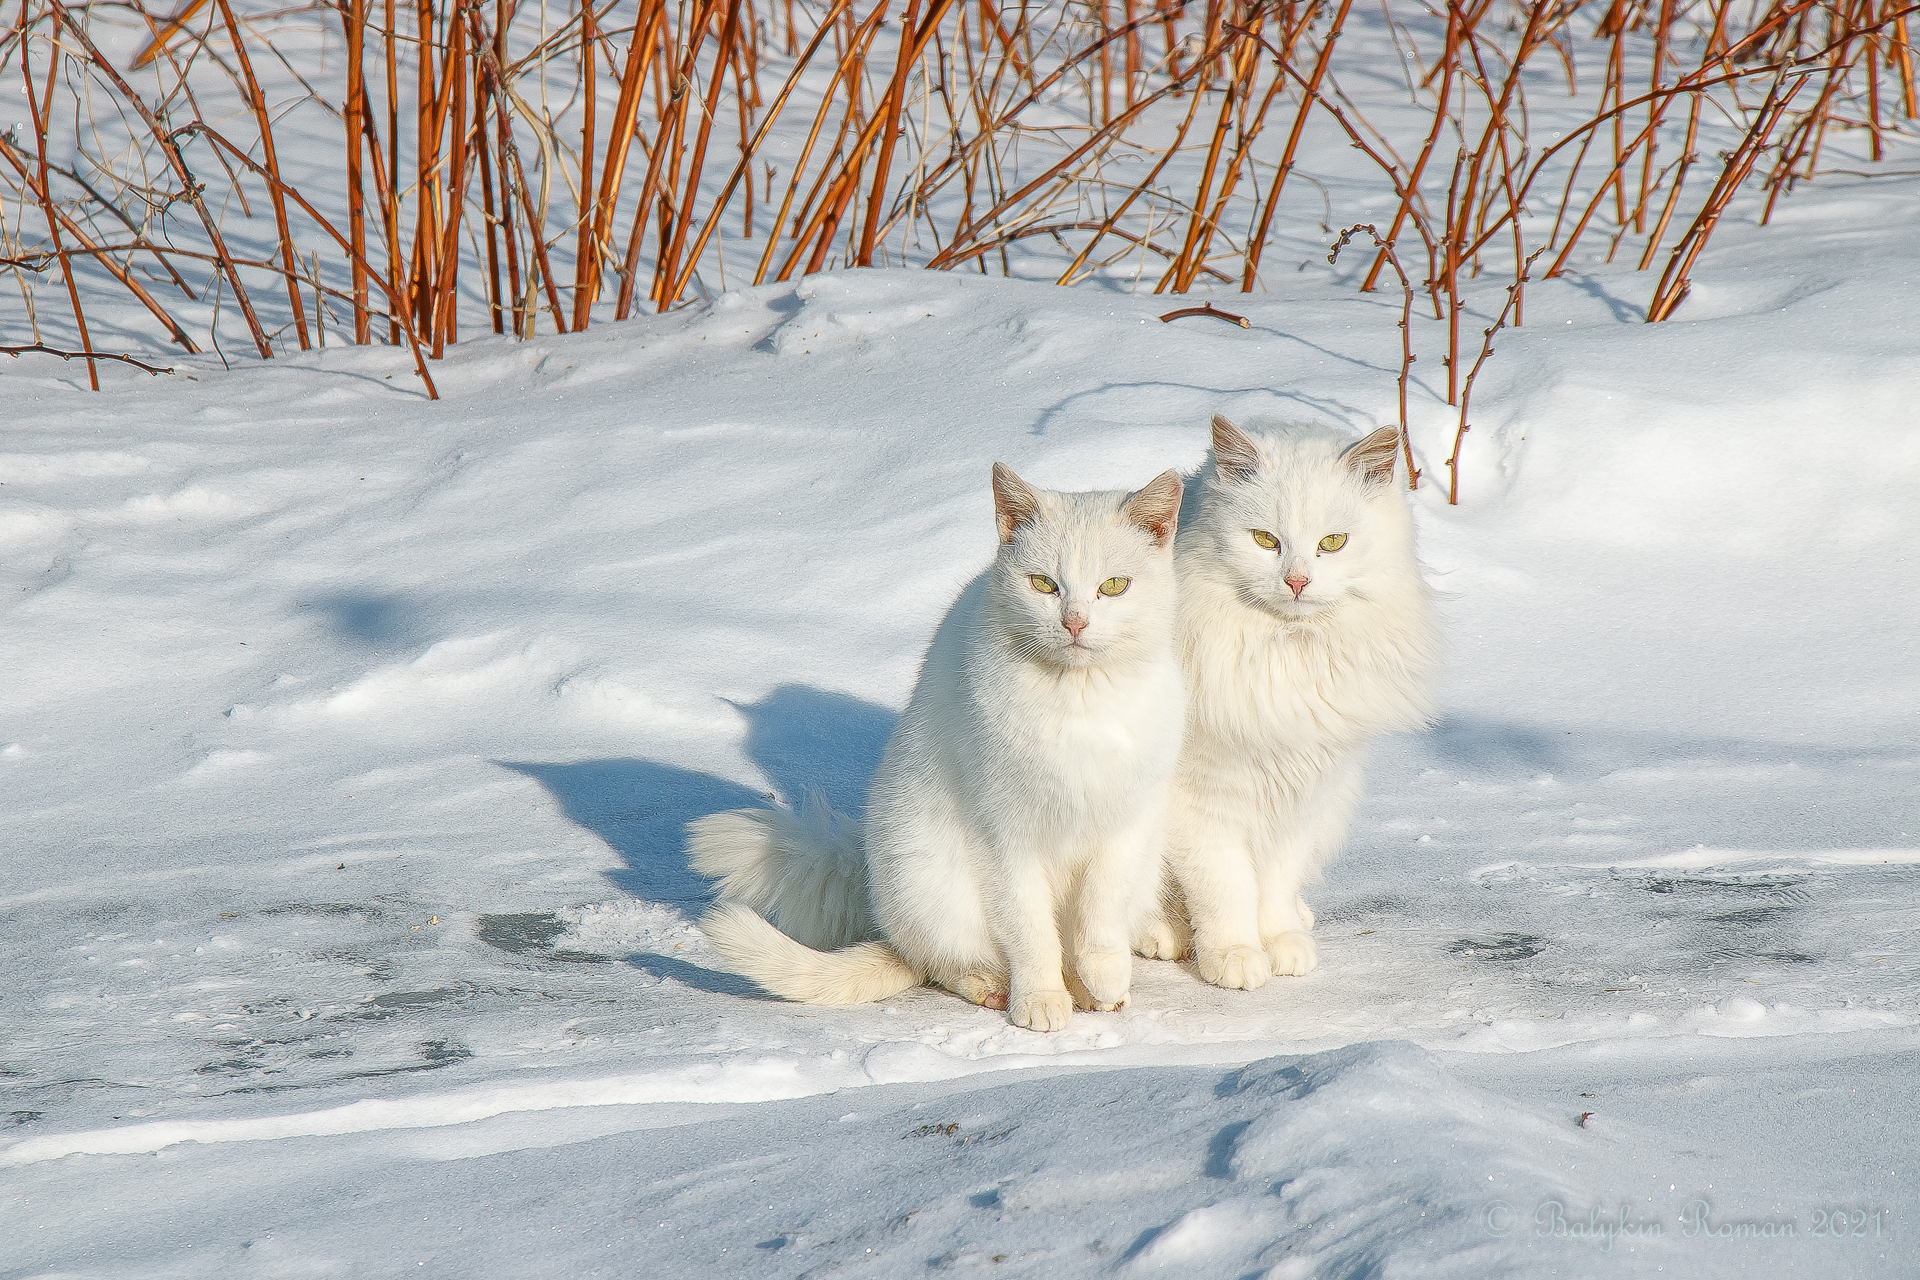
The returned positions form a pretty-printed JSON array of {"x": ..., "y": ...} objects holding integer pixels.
[
  {"x": 1106, "y": 976},
  {"x": 1236, "y": 967},
  {"x": 1040, "y": 1010},
  {"x": 1161, "y": 940},
  {"x": 1293, "y": 954}
]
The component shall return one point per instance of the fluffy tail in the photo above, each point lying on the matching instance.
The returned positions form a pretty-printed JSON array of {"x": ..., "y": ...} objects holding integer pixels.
[
  {"x": 805, "y": 871},
  {"x": 858, "y": 974}
]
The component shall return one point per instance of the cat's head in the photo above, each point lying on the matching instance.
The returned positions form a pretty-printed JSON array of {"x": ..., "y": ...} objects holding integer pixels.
[
  {"x": 1299, "y": 518},
  {"x": 1082, "y": 578}
]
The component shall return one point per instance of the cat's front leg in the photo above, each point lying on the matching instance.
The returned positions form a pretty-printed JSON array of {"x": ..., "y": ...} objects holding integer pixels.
[
  {"x": 1213, "y": 868},
  {"x": 1285, "y": 923},
  {"x": 1163, "y": 932},
  {"x": 1220, "y": 890},
  {"x": 1022, "y": 917},
  {"x": 1119, "y": 890}
]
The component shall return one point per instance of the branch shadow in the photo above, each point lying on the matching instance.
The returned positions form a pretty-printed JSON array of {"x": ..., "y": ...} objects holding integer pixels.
[{"x": 1623, "y": 311}]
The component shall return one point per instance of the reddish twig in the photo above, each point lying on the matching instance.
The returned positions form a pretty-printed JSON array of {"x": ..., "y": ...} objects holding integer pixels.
[
  {"x": 263, "y": 118},
  {"x": 89, "y": 356},
  {"x": 1386, "y": 254},
  {"x": 396, "y": 305},
  {"x": 41, "y": 112},
  {"x": 178, "y": 163},
  {"x": 1207, "y": 309},
  {"x": 1511, "y": 307}
]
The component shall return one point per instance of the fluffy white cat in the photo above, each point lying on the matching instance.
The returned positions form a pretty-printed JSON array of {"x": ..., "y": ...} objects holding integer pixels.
[
  {"x": 1305, "y": 631},
  {"x": 1014, "y": 828}
]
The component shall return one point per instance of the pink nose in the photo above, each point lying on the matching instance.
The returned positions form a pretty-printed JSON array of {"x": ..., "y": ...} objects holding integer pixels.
[
  {"x": 1075, "y": 623},
  {"x": 1298, "y": 585}
]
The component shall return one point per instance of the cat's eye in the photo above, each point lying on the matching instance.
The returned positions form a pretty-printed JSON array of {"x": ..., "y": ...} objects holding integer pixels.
[
  {"x": 1333, "y": 542},
  {"x": 1043, "y": 584},
  {"x": 1266, "y": 539},
  {"x": 1115, "y": 586}
]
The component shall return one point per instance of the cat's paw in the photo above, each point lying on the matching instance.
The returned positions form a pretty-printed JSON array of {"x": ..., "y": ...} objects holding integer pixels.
[
  {"x": 1237, "y": 967},
  {"x": 1164, "y": 941},
  {"x": 1106, "y": 975},
  {"x": 1293, "y": 954},
  {"x": 1040, "y": 1010},
  {"x": 981, "y": 989},
  {"x": 1083, "y": 1000}
]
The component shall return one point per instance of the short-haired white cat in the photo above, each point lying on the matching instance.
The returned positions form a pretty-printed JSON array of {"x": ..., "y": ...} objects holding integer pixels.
[
  {"x": 1305, "y": 631},
  {"x": 1012, "y": 843}
]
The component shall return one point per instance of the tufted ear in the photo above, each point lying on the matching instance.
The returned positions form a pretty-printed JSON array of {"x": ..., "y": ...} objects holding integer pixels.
[
  {"x": 1156, "y": 507},
  {"x": 1235, "y": 456},
  {"x": 1014, "y": 501},
  {"x": 1373, "y": 458}
]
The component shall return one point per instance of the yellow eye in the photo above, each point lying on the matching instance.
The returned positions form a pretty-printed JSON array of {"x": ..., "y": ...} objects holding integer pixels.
[
  {"x": 1043, "y": 584},
  {"x": 1115, "y": 586},
  {"x": 1333, "y": 542},
  {"x": 1266, "y": 539}
]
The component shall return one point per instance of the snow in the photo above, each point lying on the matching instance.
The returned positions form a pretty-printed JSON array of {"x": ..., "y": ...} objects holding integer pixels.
[{"x": 347, "y": 739}]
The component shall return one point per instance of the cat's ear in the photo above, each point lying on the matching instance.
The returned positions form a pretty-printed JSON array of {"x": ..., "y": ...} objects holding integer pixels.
[
  {"x": 1014, "y": 501},
  {"x": 1156, "y": 508},
  {"x": 1234, "y": 455},
  {"x": 1373, "y": 458}
]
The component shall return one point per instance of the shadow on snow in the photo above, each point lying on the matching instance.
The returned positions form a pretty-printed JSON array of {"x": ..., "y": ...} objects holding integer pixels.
[{"x": 804, "y": 741}]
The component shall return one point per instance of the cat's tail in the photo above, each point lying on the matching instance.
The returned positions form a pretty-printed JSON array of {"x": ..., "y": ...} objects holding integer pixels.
[
  {"x": 859, "y": 974},
  {"x": 805, "y": 871}
]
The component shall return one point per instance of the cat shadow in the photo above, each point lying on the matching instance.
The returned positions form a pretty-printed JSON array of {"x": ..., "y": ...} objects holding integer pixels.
[
  {"x": 641, "y": 809},
  {"x": 813, "y": 742},
  {"x": 688, "y": 974},
  {"x": 805, "y": 742}
]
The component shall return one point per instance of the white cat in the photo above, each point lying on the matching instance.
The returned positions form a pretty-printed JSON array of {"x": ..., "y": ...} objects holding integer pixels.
[
  {"x": 1014, "y": 829},
  {"x": 1305, "y": 631}
]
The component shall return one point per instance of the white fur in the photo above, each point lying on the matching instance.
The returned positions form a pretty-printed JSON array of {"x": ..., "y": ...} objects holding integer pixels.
[
  {"x": 819, "y": 900},
  {"x": 856, "y": 974},
  {"x": 1015, "y": 824},
  {"x": 1284, "y": 694}
]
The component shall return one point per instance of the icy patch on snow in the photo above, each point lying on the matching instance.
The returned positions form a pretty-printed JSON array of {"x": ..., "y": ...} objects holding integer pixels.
[
  {"x": 1702, "y": 858},
  {"x": 623, "y": 926}
]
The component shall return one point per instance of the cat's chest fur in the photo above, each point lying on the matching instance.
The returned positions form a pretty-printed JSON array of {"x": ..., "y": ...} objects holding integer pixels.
[
  {"x": 1062, "y": 756},
  {"x": 1261, "y": 689},
  {"x": 1094, "y": 731}
]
